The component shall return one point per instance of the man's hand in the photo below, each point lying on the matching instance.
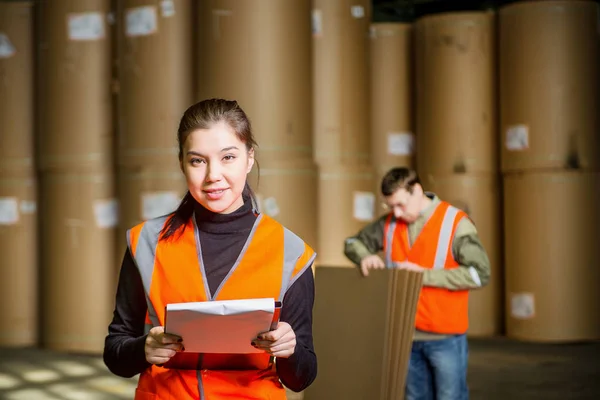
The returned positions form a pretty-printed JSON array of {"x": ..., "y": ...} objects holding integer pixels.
[
  {"x": 161, "y": 346},
  {"x": 280, "y": 342},
  {"x": 407, "y": 265},
  {"x": 371, "y": 262}
]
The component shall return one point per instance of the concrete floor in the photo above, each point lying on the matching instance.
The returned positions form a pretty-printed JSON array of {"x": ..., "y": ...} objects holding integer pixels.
[
  {"x": 507, "y": 370},
  {"x": 499, "y": 369}
]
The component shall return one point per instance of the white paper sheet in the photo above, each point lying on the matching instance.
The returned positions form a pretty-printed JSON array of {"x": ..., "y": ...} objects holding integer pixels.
[{"x": 226, "y": 326}]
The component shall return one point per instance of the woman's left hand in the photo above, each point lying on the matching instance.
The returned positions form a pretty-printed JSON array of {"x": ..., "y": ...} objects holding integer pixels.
[{"x": 279, "y": 343}]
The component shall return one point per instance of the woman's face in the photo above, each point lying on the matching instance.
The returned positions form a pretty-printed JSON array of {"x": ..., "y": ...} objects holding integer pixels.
[{"x": 215, "y": 163}]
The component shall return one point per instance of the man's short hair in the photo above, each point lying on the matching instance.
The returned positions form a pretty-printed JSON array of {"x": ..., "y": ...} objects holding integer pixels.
[{"x": 399, "y": 178}]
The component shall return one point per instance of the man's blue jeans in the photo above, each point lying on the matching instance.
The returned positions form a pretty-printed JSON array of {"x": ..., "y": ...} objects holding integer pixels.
[{"x": 438, "y": 370}]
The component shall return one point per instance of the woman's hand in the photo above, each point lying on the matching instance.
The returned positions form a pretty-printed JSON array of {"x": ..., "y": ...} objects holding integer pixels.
[
  {"x": 280, "y": 342},
  {"x": 161, "y": 346}
]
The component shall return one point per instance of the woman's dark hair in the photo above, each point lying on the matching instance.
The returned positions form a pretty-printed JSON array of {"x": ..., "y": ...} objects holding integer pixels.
[
  {"x": 399, "y": 178},
  {"x": 204, "y": 115}
]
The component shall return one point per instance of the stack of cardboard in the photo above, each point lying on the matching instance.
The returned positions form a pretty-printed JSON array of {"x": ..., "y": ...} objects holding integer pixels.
[
  {"x": 550, "y": 97},
  {"x": 75, "y": 156},
  {"x": 258, "y": 52},
  {"x": 403, "y": 296},
  {"x": 18, "y": 226},
  {"x": 154, "y": 59},
  {"x": 457, "y": 145},
  {"x": 363, "y": 330}
]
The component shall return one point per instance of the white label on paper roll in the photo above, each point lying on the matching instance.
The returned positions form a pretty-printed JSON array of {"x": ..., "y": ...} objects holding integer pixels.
[
  {"x": 517, "y": 138},
  {"x": 167, "y": 8},
  {"x": 217, "y": 14},
  {"x": 522, "y": 305},
  {"x": 372, "y": 32},
  {"x": 401, "y": 144},
  {"x": 110, "y": 18},
  {"x": 6, "y": 47},
  {"x": 141, "y": 21},
  {"x": 364, "y": 206},
  {"x": 28, "y": 206},
  {"x": 357, "y": 11},
  {"x": 9, "y": 210},
  {"x": 271, "y": 207},
  {"x": 156, "y": 204},
  {"x": 317, "y": 23},
  {"x": 86, "y": 26},
  {"x": 106, "y": 213}
]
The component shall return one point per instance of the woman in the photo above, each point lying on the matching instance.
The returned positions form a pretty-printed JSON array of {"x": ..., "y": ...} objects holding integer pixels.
[{"x": 213, "y": 247}]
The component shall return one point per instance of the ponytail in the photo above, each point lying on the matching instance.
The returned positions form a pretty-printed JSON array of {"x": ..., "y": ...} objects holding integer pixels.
[
  {"x": 248, "y": 194},
  {"x": 180, "y": 217}
]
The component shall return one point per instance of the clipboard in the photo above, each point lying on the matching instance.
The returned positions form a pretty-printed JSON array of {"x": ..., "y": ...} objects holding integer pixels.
[{"x": 276, "y": 315}]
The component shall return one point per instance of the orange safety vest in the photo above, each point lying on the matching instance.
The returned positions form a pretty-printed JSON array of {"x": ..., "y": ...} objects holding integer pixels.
[
  {"x": 438, "y": 310},
  {"x": 172, "y": 271}
]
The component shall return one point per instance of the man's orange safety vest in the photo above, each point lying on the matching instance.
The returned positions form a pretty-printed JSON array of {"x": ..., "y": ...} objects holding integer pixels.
[
  {"x": 172, "y": 271},
  {"x": 438, "y": 310}
]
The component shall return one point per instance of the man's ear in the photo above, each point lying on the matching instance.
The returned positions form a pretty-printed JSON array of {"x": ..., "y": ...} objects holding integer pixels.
[{"x": 418, "y": 189}]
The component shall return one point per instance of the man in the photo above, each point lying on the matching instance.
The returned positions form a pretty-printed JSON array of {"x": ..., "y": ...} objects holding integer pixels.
[{"x": 423, "y": 233}]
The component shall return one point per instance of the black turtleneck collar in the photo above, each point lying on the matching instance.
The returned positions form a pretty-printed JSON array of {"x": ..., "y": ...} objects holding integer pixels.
[{"x": 241, "y": 220}]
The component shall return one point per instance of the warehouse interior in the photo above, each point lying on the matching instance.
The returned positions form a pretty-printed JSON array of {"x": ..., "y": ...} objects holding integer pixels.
[{"x": 494, "y": 103}]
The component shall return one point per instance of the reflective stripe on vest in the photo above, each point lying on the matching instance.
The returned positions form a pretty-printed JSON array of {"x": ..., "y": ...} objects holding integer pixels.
[
  {"x": 443, "y": 241},
  {"x": 444, "y": 238},
  {"x": 144, "y": 256}
]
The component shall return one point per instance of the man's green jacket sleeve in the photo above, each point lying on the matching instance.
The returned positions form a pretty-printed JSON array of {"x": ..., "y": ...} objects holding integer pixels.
[{"x": 366, "y": 242}]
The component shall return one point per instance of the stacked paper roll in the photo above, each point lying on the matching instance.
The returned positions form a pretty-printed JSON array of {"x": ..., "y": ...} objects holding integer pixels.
[
  {"x": 341, "y": 123},
  {"x": 273, "y": 84},
  {"x": 77, "y": 178},
  {"x": 18, "y": 180},
  {"x": 391, "y": 98},
  {"x": 457, "y": 149},
  {"x": 550, "y": 94},
  {"x": 155, "y": 50}
]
